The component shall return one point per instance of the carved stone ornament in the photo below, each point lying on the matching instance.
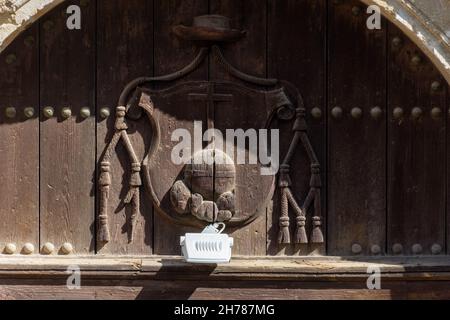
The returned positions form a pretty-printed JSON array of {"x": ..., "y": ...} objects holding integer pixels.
[{"x": 211, "y": 187}]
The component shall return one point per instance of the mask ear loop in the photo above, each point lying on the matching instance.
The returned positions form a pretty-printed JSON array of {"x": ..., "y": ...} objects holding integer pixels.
[{"x": 223, "y": 227}]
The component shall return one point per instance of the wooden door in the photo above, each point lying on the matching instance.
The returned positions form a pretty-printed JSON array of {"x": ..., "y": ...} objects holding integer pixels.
[{"x": 361, "y": 115}]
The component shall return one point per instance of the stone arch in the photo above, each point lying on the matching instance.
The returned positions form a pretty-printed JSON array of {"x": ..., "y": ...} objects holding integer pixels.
[{"x": 417, "y": 22}]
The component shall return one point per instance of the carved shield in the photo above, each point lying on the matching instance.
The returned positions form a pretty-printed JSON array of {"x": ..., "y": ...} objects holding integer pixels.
[{"x": 201, "y": 193}]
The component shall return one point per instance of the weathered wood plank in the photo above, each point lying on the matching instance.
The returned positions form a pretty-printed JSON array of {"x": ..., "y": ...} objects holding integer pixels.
[
  {"x": 19, "y": 141},
  {"x": 300, "y": 58},
  {"x": 247, "y": 55},
  {"x": 125, "y": 49},
  {"x": 224, "y": 290},
  {"x": 416, "y": 156},
  {"x": 356, "y": 132},
  {"x": 171, "y": 54},
  {"x": 67, "y": 146},
  {"x": 447, "y": 251}
]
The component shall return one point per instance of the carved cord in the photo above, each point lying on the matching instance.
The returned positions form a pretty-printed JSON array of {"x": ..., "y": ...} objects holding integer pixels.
[
  {"x": 135, "y": 182},
  {"x": 313, "y": 197}
]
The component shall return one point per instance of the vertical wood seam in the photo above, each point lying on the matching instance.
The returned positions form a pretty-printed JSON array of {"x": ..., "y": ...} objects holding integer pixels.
[
  {"x": 327, "y": 101},
  {"x": 94, "y": 108},
  {"x": 38, "y": 108},
  {"x": 387, "y": 139}
]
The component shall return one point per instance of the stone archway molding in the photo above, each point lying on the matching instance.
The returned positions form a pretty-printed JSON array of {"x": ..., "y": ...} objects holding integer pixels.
[
  {"x": 426, "y": 23},
  {"x": 17, "y": 15}
]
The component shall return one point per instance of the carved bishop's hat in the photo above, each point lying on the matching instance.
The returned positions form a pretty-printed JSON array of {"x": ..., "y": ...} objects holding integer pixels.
[{"x": 214, "y": 28}]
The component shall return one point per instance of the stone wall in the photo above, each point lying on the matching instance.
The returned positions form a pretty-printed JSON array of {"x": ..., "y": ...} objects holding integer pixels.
[{"x": 426, "y": 22}]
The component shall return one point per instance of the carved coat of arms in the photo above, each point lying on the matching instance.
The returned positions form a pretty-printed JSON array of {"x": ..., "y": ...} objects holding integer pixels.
[{"x": 211, "y": 186}]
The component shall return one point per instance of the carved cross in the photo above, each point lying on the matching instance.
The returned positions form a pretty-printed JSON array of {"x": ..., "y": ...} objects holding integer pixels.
[{"x": 211, "y": 97}]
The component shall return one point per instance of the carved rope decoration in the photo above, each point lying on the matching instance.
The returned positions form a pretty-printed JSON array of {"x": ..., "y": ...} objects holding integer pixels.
[
  {"x": 312, "y": 199},
  {"x": 283, "y": 112}
]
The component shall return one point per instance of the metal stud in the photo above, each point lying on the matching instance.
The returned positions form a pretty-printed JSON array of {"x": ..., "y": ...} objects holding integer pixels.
[
  {"x": 416, "y": 248},
  {"x": 375, "y": 249},
  {"x": 10, "y": 58},
  {"x": 29, "y": 112},
  {"x": 376, "y": 113},
  {"x": 105, "y": 112},
  {"x": 28, "y": 248},
  {"x": 48, "y": 248},
  {"x": 416, "y": 113},
  {"x": 29, "y": 41},
  {"x": 435, "y": 86},
  {"x": 356, "y": 248},
  {"x": 85, "y": 113},
  {"x": 10, "y": 112},
  {"x": 48, "y": 25},
  {"x": 396, "y": 42},
  {"x": 66, "y": 113},
  {"x": 337, "y": 112},
  {"x": 356, "y": 10},
  {"x": 66, "y": 248},
  {"x": 48, "y": 112},
  {"x": 416, "y": 60},
  {"x": 436, "y": 113},
  {"x": 397, "y": 248},
  {"x": 356, "y": 113},
  {"x": 436, "y": 249},
  {"x": 316, "y": 113},
  {"x": 10, "y": 248},
  {"x": 398, "y": 113}
]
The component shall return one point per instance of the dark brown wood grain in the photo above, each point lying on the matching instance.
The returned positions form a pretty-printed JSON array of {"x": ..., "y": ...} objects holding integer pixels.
[
  {"x": 356, "y": 146},
  {"x": 67, "y": 146},
  {"x": 385, "y": 179},
  {"x": 447, "y": 87},
  {"x": 223, "y": 290},
  {"x": 171, "y": 54},
  {"x": 416, "y": 155},
  {"x": 249, "y": 56},
  {"x": 19, "y": 141},
  {"x": 297, "y": 53},
  {"x": 124, "y": 52}
]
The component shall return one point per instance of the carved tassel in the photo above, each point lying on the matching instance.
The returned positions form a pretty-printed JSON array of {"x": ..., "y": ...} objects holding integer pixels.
[
  {"x": 317, "y": 235},
  {"x": 134, "y": 213},
  {"x": 300, "y": 233},
  {"x": 316, "y": 184},
  {"x": 284, "y": 236},
  {"x": 133, "y": 197},
  {"x": 104, "y": 182}
]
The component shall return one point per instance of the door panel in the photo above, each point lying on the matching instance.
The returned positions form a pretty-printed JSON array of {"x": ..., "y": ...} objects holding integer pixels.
[
  {"x": 417, "y": 185},
  {"x": 67, "y": 145},
  {"x": 356, "y": 132},
  {"x": 172, "y": 54},
  {"x": 376, "y": 112},
  {"x": 299, "y": 57},
  {"x": 124, "y": 52},
  {"x": 19, "y": 142},
  {"x": 249, "y": 56}
]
